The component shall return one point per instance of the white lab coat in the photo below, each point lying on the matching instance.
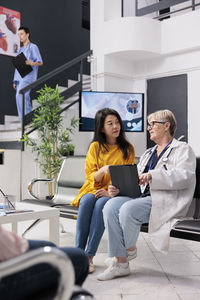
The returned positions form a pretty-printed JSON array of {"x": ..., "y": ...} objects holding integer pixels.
[{"x": 172, "y": 188}]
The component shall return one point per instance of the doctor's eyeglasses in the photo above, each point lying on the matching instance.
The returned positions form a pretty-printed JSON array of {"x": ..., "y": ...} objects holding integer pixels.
[{"x": 152, "y": 124}]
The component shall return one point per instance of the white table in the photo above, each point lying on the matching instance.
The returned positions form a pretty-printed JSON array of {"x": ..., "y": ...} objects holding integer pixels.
[{"x": 39, "y": 212}]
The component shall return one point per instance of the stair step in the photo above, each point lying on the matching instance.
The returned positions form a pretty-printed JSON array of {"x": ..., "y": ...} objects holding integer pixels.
[
  {"x": 70, "y": 100},
  {"x": 62, "y": 88},
  {"x": 10, "y": 136},
  {"x": 10, "y": 127},
  {"x": 35, "y": 104},
  {"x": 11, "y": 119},
  {"x": 10, "y": 132},
  {"x": 85, "y": 76},
  {"x": 10, "y": 144},
  {"x": 71, "y": 82}
]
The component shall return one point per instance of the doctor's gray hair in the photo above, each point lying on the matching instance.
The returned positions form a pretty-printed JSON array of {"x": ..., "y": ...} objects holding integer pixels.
[{"x": 165, "y": 115}]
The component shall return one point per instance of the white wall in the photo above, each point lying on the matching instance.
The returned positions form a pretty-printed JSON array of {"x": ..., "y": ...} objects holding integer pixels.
[
  {"x": 81, "y": 140},
  {"x": 129, "y": 8},
  {"x": 10, "y": 173},
  {"x": 193, "y": 110},
  {"x": 144, "y": 34},
  {"x": 131, "y": 33},
  {"x": 128, "y": 51},
  {"x": 184, "y": 63},
  {"x": 17, "y": 165},
  {"x": 181, "y": 33},
  {"x": 112, "y": 9}
]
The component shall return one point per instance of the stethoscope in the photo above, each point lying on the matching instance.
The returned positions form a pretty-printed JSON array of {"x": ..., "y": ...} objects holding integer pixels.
[{"x": 164, "y": 159}]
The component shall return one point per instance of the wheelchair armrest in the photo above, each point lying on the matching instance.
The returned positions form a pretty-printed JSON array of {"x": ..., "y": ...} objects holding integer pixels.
[
  {"x": 33, "y": 181},
  {"x": 52, "y": 256},
  {"x": 79, "y": 293}
]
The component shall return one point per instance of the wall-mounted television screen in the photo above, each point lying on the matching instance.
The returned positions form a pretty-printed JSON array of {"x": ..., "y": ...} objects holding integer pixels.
[{"x": 130, "y": 106}]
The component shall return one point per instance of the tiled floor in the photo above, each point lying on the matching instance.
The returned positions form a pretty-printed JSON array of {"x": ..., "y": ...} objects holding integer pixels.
[{"x": 153, "y": 275}]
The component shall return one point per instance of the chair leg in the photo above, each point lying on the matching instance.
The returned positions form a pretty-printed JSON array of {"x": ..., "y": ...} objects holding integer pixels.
[
  {"x": 62, "y": 228},
  {"x": 31, "y": 226},
  {"x": 36, "y": 222}
]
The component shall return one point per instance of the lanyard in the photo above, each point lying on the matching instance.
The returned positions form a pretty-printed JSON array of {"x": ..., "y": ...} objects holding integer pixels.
[{"x": 154, "y": 160}]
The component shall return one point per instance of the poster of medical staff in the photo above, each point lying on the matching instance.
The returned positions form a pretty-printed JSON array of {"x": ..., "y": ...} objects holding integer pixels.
[{"x": 9, "y": 24}]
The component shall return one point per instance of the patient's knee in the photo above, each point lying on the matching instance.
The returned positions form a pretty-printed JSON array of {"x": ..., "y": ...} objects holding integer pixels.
[{"x": 109, "y": 208}]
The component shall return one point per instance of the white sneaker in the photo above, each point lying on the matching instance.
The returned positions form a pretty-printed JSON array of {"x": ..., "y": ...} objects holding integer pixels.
[
  {"x": 115, "y": 270},
  {"x": 108, "y": 262}
]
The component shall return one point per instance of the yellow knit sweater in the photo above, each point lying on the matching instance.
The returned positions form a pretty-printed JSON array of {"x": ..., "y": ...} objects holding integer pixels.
[{"x": 94, "y": 162}]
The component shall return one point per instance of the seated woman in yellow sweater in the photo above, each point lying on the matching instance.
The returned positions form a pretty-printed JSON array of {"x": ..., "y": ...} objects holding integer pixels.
[{"x": 109, "y": 147}]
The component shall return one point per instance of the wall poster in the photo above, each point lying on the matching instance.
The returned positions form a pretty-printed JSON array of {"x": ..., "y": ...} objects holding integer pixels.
[{"x": 9, "y": 23}]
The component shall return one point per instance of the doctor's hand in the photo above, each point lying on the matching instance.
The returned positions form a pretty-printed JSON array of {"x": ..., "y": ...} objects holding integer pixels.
[
  {"x": 101, "y": 193},
  {"x": 14, "y": 86},
  {"x": 145, "y": 178},
  {"x": 112, "y": 191},
  {"x": 29, "y": 62}
]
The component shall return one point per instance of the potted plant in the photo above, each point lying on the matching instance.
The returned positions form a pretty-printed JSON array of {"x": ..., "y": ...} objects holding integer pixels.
[
  {"x": 70, "y": 149},
  {"x": 67, "y": 150},
  {"x": 52, "y": 138}
]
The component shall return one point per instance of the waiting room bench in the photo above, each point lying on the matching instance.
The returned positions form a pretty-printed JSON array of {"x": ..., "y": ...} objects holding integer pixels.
[
  {"x": 72, "y": 176},
  {"x": 188, "y": 229}
]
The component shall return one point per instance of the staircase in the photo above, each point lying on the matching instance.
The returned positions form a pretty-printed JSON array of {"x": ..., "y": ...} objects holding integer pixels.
[
  {"x": 18, "y": 167},
  {"x": 10, "y": 131}
]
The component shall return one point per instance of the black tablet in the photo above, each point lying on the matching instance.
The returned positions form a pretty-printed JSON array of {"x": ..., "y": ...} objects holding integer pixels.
[
  {"x": 125, "y": 178},
  {"x": 20, "y": 64}
]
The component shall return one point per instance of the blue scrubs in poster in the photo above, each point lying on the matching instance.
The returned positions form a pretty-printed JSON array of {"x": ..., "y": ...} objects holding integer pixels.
[{"x": 31, "y": 52}]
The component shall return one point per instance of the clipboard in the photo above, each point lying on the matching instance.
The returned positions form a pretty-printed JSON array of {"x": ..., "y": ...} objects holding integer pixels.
[
  {"x": 19, "y": 63},
  {"x": 125, "y": 178}
]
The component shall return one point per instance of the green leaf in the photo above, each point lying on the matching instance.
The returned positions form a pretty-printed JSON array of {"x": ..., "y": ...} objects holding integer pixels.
[{"x": 52, "y": 136}]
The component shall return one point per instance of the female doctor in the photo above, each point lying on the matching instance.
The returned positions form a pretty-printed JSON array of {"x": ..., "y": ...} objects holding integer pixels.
[{"x": 167, "y": 179}]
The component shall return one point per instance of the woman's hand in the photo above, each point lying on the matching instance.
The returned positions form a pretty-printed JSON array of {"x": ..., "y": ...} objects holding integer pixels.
[
  {"x": 112, "y": 191},
  {"x": 101, "y": 172},
  {"x": 145, "y": 178},
  {"x": 101, "y": 193},
  {"x": 105, "y": 169}
]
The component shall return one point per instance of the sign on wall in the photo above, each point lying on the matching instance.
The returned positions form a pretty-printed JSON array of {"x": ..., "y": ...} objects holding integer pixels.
[{"x": 9, "y": 24}]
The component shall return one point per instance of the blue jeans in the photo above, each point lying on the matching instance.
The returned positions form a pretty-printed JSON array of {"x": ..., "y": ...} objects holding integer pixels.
[
  {"x": 123, "y": 217},
  {"x": 40, "y": 278},
  {"x": 90, "y": 224}
]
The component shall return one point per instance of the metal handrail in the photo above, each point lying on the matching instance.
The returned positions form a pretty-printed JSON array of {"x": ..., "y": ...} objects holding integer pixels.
[
  {"x": 56, "y": 71},
  {"x": 176, "y": 11},
  {"x": 162, "y": 5},
  {"x": 68, "y": 93}
]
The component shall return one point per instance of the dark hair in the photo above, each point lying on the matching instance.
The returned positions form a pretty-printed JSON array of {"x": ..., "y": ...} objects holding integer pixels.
[
  {"x": 26, "y": 29},
  {"x": 100, "y": 136}
]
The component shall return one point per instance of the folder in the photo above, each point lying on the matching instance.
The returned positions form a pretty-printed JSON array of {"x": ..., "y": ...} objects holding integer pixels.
[
  {"x": 125, "y": 178},
  {"x": 20, "y": 64}
]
